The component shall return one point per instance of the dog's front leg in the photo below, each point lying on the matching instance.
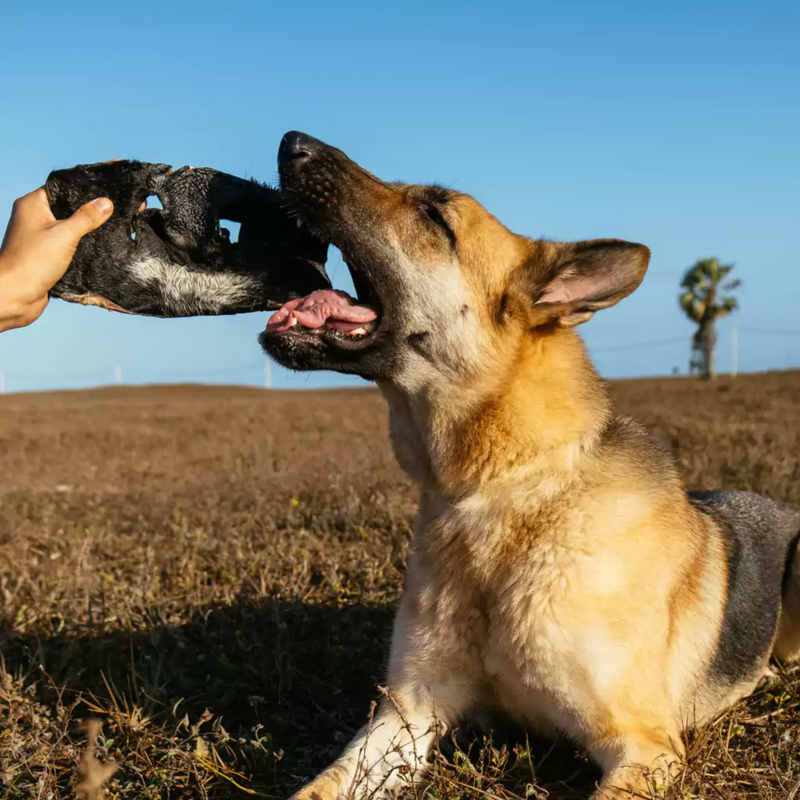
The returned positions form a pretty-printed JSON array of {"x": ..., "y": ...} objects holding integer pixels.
[
  {"x": 428, "y": 691},
  {"x": 391, "y": 749}
]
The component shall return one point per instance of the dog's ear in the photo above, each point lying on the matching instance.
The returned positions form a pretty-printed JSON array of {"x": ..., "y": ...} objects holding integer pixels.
[{"x": 567, "y": 283}]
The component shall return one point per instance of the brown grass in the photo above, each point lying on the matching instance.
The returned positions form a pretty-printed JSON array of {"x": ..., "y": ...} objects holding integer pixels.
[{"x": 211, "y": 572}]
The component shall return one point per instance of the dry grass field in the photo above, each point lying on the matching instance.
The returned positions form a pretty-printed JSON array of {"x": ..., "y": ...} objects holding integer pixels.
[{"x": 211, "y": 573}]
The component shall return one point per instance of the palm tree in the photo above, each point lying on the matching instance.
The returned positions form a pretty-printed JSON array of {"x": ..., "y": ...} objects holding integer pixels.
[{"x": 705, "y": 299}]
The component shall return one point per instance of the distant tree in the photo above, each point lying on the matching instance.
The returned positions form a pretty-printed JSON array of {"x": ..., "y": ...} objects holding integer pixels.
[{"x": 705, "y": 298}]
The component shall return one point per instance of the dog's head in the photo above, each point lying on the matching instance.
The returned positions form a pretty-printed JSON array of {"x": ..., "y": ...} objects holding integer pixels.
[
  {"x": 178, "y": 260},
  {"x": 443, "y": 287}
]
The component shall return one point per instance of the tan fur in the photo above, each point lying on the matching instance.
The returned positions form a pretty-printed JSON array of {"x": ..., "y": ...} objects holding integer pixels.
[
  {"x": 787, "y": 645},
  {"x": 557, "y": 568}
]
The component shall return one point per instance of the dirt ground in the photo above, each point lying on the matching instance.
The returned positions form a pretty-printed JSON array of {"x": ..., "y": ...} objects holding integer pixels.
[{"x": 212, "y": 573}]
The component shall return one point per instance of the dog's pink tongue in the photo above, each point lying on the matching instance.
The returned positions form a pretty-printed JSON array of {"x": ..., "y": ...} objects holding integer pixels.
[{"x": 336, "y": 308}]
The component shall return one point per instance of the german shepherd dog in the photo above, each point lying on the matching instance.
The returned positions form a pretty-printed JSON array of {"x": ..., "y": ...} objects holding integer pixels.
[
  {"x": 179, "y": 260},
  {"x": 559, "y": 569}
]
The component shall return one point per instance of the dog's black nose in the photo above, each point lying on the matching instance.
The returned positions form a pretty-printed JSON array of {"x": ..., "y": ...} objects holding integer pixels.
[{"x": 295, "y": 146}]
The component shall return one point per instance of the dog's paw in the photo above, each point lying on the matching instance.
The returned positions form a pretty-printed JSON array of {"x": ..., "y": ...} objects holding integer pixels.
[{"x": 769, "y": 678}]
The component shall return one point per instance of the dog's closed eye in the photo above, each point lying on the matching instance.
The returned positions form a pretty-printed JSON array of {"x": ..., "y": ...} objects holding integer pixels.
[{"x": 435, "y": 216}]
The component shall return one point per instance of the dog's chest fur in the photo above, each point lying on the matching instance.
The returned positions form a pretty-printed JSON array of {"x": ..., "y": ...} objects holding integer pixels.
[
  {"x": 536, "y": 568},
  {"x": 499, "y": 577}
]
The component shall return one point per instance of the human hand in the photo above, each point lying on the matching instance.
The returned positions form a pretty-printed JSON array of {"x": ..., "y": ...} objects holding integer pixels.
[{"x": 36, "y": 251}]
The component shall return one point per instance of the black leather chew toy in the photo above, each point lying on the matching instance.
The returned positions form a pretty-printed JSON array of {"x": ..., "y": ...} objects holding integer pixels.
[{"x": 177, "y": 261}]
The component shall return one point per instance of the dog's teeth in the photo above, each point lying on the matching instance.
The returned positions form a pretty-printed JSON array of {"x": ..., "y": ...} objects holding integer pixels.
[
  {"x": 293, "y": 322},
  {"x": 358, "y": 332}
]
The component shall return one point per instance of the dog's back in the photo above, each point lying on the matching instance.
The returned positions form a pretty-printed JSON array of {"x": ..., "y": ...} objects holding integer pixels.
[{"x": 761, "y": 537}]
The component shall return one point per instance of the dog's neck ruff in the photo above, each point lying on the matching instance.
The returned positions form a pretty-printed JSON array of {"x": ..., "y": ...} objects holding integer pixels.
[{"x": 547, "y": 414}]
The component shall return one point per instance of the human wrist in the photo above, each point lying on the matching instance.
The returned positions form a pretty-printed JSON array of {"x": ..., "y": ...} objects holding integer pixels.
[{"x": 16, "y": 311}]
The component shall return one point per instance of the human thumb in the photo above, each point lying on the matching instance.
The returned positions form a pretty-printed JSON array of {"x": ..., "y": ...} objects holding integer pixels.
[{"x": 88, "y": 217}]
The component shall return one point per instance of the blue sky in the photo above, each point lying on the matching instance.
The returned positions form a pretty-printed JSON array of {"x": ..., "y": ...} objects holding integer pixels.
[{"x": 674, "y": 124}]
